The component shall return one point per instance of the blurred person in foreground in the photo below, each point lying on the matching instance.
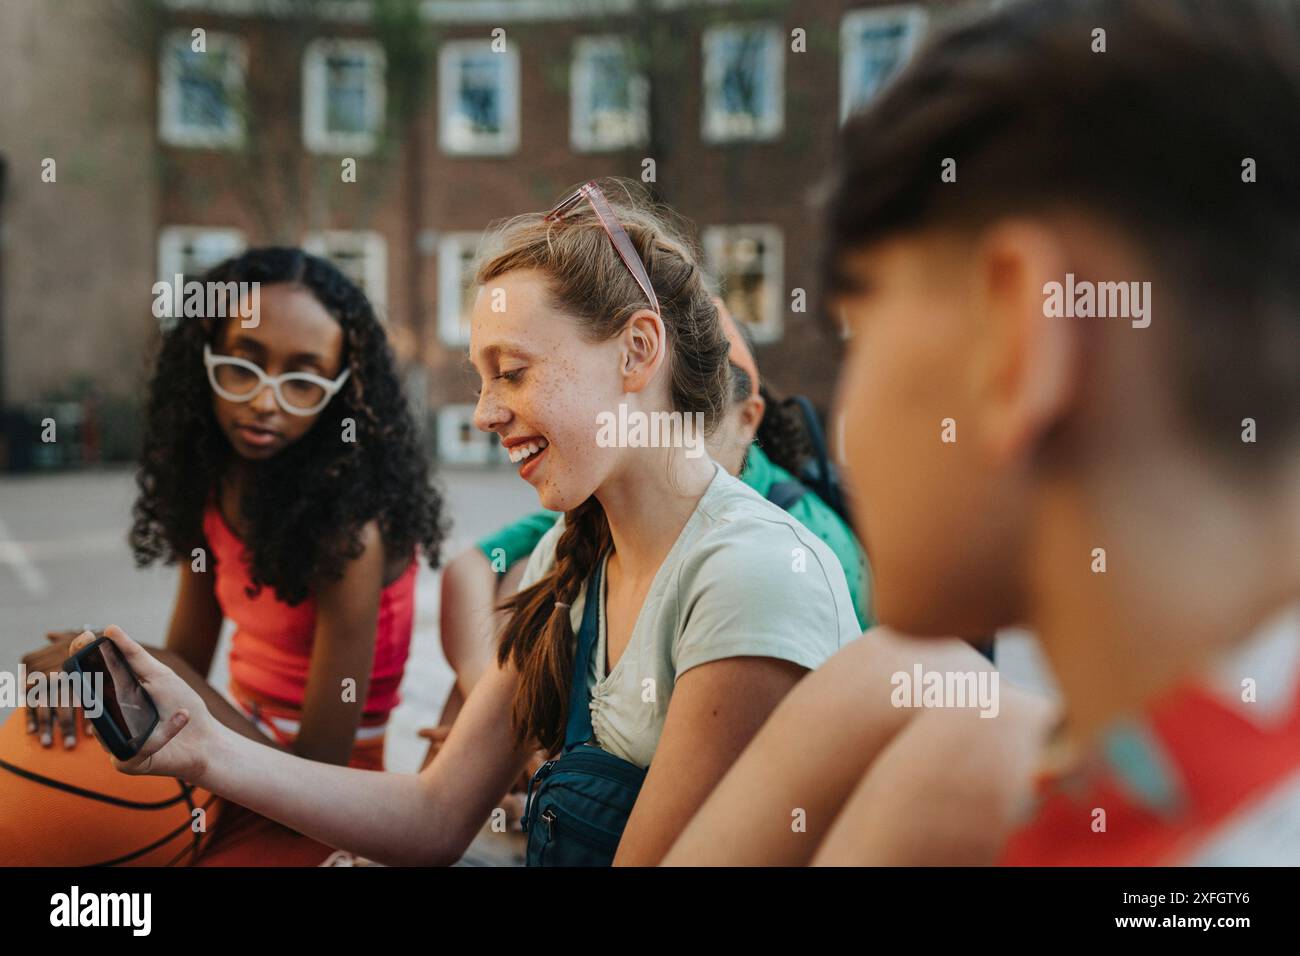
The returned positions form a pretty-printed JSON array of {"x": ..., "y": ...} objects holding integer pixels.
[{"x": 1124, "y": 481}]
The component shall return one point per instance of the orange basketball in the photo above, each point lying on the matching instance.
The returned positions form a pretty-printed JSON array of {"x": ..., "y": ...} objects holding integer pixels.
[{"x": 71, "y": 808}]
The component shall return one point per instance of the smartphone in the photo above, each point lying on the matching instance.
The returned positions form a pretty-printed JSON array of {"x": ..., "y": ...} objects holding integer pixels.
[{"x": 127, "y": 716}]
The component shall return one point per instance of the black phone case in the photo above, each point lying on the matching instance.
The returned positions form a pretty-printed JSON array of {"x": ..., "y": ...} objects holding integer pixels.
[{"x": 106, "y": 729}]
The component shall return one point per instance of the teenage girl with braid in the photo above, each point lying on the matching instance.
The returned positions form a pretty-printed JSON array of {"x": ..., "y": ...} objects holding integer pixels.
[
  {"x": 712, "y": 602},
  {"x": 761, "y": 439}
]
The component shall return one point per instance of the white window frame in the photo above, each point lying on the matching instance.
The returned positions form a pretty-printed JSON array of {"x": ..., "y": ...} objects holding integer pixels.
[
  {"x": 451, "y": 248},
  {"x": 374, "y": 250},
  {"x": 581, "y": 136},
  {"x": 173, "y": 239},
  {"x": 171, "y": 129},
  {"x": 171, "y": 245},
  {"x": 771, "y": 325},
  {"x": 316, "y": 136},
  {"x": 851, "y": 53},
  {"x": 713, "y": 122},
  {"x": 451, "y": 419},
  {"x": 496, "y": 144}
]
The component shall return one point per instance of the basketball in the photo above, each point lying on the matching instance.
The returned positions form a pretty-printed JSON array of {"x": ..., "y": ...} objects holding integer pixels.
[{"x": 71, "y": 808}]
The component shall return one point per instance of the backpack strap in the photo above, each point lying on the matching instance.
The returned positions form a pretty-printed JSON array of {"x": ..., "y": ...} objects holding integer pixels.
[
  {"x": 819, "y": 472},
  {"x": 579, "y": 730},
  {"x": 784, "y": 494}
]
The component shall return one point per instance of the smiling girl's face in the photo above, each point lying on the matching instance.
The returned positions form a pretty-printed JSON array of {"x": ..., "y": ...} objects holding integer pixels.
[
  {"x": 294, "y": 334},
  {"x": 543, "y": 384}
]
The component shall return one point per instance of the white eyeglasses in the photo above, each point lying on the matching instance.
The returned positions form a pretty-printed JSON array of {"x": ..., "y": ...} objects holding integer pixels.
[{"x": 299, "y": 393}]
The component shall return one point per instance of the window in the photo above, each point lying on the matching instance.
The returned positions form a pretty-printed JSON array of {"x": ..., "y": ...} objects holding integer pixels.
[
  {"x": 343, "y": 96},
  {"x": 874, "y": 45},
  {"x": 456, "y": 255},
  {"x": 609, "y": 103},
  {"x": 190, "y": 251},
  {"x": 478, "y": 99},
  {"x": 362, "y": 256},
  {"x": 459, "y": 441},
  {"x": 747, "y": 262},
  {"x": 201, "y": 95},
  {"x": 743, "y": 84}
]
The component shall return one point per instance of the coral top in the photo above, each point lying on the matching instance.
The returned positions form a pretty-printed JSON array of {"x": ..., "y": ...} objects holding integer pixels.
[
  {"x": 271, "y": 651},
  {"x": 1205, "y": 776}
]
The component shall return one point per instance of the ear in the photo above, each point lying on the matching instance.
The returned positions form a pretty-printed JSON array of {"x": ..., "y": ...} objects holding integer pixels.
[
  {"x": 752, "y": 410},
  {"x": 1026, "y": 368},
  {"x": 643, "y": 344}
]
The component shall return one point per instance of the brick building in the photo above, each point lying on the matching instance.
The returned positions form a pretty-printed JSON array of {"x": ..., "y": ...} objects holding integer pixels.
[{"x": 388, "y": 135}]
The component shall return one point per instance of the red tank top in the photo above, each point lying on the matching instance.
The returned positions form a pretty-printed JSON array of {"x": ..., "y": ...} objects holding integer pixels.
[
  {"x": 271, "y": 649},
  {"x": 1207, "y": 775}
]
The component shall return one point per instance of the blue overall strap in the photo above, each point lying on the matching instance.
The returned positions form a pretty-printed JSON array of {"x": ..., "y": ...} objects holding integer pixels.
[
  {"x": 786, "y": 494},
  {"x": 579, "y": 730}
]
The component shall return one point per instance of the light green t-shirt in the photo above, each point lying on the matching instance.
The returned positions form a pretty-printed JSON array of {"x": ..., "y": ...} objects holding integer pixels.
[
  {"x": 744, "y": 579},
  {"x": 516, "y": 541}
]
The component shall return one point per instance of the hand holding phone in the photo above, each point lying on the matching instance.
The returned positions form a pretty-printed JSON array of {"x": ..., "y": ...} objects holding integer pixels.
[
  {"x": 153, "y": 721},
  {"x": 126, "y": 714}
]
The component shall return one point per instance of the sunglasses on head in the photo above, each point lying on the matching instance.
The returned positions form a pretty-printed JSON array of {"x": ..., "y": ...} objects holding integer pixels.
[{"x": 614, "y": 229}]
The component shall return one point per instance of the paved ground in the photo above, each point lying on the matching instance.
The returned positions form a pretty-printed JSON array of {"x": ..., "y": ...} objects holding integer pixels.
[{"x": 64, "y": 564}]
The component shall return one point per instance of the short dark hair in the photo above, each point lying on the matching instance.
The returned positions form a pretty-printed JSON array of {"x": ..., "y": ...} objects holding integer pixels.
[{"x": 1150, "y": 135}]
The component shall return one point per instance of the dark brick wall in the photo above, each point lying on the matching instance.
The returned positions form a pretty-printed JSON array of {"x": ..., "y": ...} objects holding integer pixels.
[{"x": 419, "y": 191}]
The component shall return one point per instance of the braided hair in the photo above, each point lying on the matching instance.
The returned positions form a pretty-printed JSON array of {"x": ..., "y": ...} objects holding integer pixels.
[{"x": 587, "y": 280}]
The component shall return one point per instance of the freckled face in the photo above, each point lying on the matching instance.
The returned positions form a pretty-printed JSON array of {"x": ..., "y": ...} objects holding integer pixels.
[
  {"x": 543, "y": 384},
  {"x": 294, "y": 334},
  {"x": 939, "y": 520}
]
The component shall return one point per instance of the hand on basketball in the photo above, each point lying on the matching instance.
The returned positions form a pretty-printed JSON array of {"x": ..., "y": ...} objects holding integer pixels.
[
  {"x": 45, "y": 719},
  {"x": 180, "y": 744}
]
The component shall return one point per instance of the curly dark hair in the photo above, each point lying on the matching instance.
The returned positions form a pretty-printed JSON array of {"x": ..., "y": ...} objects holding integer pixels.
[{"x": 307, "y": 505}]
